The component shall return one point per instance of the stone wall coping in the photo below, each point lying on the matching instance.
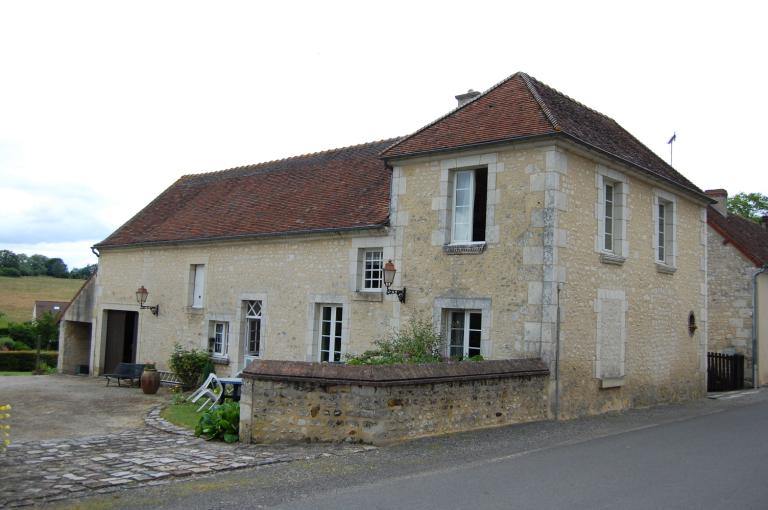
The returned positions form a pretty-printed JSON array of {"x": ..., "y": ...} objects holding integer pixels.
[{"x": 393, "y": 375}]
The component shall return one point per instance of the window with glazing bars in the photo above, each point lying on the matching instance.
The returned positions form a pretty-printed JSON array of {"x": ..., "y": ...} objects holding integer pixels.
[
  {"x": 330, "y": 333},
  {"x": 373, "y": 261},
  {"x": 465, "y": 333},
  {"x": 253, "y": 328}
]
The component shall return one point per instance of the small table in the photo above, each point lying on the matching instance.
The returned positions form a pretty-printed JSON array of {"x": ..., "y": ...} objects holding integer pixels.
[{"x": 235, "y": 384}]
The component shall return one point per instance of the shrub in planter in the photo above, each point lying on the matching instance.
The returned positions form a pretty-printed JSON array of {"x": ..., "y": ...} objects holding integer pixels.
[
  {"x": 220, "y": 422},
  {"x": 189, "y": 365}
]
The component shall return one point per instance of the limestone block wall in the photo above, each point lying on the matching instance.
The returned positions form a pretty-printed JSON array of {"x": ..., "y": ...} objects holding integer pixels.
[
  {"x": 307, "y": 402},
  {"x": 291, "y": 276},
  {"x": 644, "y": 306},
  {"x": 730, "y": 300},
  {"x": 74, "y": 345}
]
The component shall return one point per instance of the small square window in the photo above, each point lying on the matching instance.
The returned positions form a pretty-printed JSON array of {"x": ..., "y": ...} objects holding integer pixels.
[
  {"x": 220, "y": 339},
  {"x": 372, "y": 269}
]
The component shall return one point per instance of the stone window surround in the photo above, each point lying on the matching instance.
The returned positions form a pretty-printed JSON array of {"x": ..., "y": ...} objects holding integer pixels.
[
  {"x": 314, "y": 304},
  {"x": 359, "y": 245},
  {"x": 670, "y": 264},
  {"x": 441, "y": 203},
  {"x": 603, "y": 176},
  {"x": 232, "y": 332},
  {"x": 443, "y": 305}
]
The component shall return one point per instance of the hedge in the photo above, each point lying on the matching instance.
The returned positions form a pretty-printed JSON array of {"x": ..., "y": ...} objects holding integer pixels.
[{"x": 24, "y": 361}]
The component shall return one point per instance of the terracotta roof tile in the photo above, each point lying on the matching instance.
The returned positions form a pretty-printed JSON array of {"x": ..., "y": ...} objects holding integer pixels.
[
  {"x": 339, "y": 189},
  {"x": 522, "y": 107},
  {"x": 748, "y": 237}
]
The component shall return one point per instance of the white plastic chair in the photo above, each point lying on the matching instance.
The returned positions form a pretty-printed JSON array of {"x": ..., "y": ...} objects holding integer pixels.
[{"x": 212, "y": 390}]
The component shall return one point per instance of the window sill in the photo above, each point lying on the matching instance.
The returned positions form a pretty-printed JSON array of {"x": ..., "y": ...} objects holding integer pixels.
[
  {"x": 219, "y": 360},
  {"x": 195, "y": 311},
  {"x": 373, "y": 297},
  {"x": 612, "y": 258},
  {"x": 611, "y": 382},
  {"x": 664, "y": 268},
  {"x": 474, "y": 248}
]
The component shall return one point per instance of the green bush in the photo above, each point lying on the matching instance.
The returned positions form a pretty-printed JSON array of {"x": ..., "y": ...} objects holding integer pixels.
[
  {"x": 24, "y": 361},
  {"x": 20, "y": 346},
  {"x": 220, "y": 422},
  {"x": 416, "y": 342},
  {"x": 189, "y": 365},
  {"x": 10, "y": 271},
  {"x": 22, "y": 332}
]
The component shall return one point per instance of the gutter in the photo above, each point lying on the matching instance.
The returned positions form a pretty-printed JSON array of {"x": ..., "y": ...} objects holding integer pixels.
[
  {"x": 755, "y": 352},
  {"x": 245, "y": 237}
]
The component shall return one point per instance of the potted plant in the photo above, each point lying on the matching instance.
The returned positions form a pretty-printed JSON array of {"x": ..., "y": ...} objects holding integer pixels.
[{"x": 150, "y": 379}]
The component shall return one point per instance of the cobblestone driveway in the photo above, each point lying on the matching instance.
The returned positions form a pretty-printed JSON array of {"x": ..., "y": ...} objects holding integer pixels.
[{"x": 36, "y": 472}]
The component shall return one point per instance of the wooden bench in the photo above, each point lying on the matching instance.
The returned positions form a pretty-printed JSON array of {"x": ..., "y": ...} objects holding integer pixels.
[{"x": 130, "y": 371}]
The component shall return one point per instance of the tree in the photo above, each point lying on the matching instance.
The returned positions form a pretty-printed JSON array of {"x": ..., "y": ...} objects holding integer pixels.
[
  {"x": 83, "y": 272},
  {"x": 56, "y": 268},
  {"x": 9, "y": 259},
  {"x": 46, "y": 331},
  {"x": 752, "y": 206},
  {"x": 38, "y": 264}
]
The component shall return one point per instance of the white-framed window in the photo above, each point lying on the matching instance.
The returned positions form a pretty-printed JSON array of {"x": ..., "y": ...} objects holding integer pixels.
[
  {"x": 220, "y": 335},
  {"x": 612, "y": 191},
  {"x": 469, "y": 201},
  {"x": 329, "y": 332},
  {"x": 197, "y": 280},
  {"x": 252, "y": 329},
  {"x": 372, "y": 269},
  {"x": 664, "y": 218},
  {"x": 464, "y": 333},
  {"x": 608, "y": 230}
]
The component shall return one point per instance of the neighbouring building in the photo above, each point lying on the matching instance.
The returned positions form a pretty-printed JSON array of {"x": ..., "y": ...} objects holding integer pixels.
[
  {"x": 525, "y": 224},
  {"x": 53, "y": 307},
  {"x": 737, "y": 251}
]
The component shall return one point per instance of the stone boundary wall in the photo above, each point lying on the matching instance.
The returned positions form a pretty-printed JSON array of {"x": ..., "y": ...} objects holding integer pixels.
[{"x": 286, "y": 401}]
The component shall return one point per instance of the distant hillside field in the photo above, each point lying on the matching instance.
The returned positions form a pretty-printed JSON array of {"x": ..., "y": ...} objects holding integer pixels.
[{"x": 18, "y": 295}]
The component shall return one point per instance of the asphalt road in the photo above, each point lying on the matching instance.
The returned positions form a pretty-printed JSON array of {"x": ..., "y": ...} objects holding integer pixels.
[{"x": 705, "y": 454}]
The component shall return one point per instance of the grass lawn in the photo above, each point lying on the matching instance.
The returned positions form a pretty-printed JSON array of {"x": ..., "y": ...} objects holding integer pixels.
[
  {"x": 18, "y": 295},
  {"x": 183, "y": 415},
  {"x": 14, "y": 373}
]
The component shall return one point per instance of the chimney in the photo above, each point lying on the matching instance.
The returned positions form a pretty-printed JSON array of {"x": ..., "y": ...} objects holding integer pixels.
[
  {"x": 721, "y": 196},
  {"x": 467, "y": 97}
]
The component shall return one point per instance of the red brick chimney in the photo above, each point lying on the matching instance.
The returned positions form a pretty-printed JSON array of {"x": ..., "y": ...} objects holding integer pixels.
[{"x": 722, "y": 197}]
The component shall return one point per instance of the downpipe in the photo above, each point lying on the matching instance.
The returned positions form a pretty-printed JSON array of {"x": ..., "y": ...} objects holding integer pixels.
[
  {"x": 557, "y": 355},
  {"x": 755, "y": 352}
]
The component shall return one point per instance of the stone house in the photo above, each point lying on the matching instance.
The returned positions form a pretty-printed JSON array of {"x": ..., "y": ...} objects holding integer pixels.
[
  {"x": 525, "y": 224},
  {"x": 737, "y": 252}
]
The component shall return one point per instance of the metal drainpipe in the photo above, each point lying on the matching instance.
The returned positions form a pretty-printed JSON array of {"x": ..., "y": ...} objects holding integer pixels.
[
  {"x": 557, "y": 357},
  {"x": 755, "y": 353}
]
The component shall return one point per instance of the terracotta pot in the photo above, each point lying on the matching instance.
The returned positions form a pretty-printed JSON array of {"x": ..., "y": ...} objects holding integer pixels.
[{"x": 150, "y": 381}]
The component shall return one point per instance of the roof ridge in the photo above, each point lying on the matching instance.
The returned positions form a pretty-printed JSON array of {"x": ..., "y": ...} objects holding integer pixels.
[
  {"x": 451, "y": 112},
  {"x": 611, "y": 119},
  {"x": 540, "y": 101},
  {"x": 291, "y": 158},
  {"x": 569, "y": 98}
]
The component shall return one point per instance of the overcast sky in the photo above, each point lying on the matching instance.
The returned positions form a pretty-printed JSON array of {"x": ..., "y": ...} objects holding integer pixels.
[{"x": 105, "y": 104}]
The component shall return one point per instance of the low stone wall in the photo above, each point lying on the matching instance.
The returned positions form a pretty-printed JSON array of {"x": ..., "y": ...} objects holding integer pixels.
[{"x": 299, "y": 401}]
